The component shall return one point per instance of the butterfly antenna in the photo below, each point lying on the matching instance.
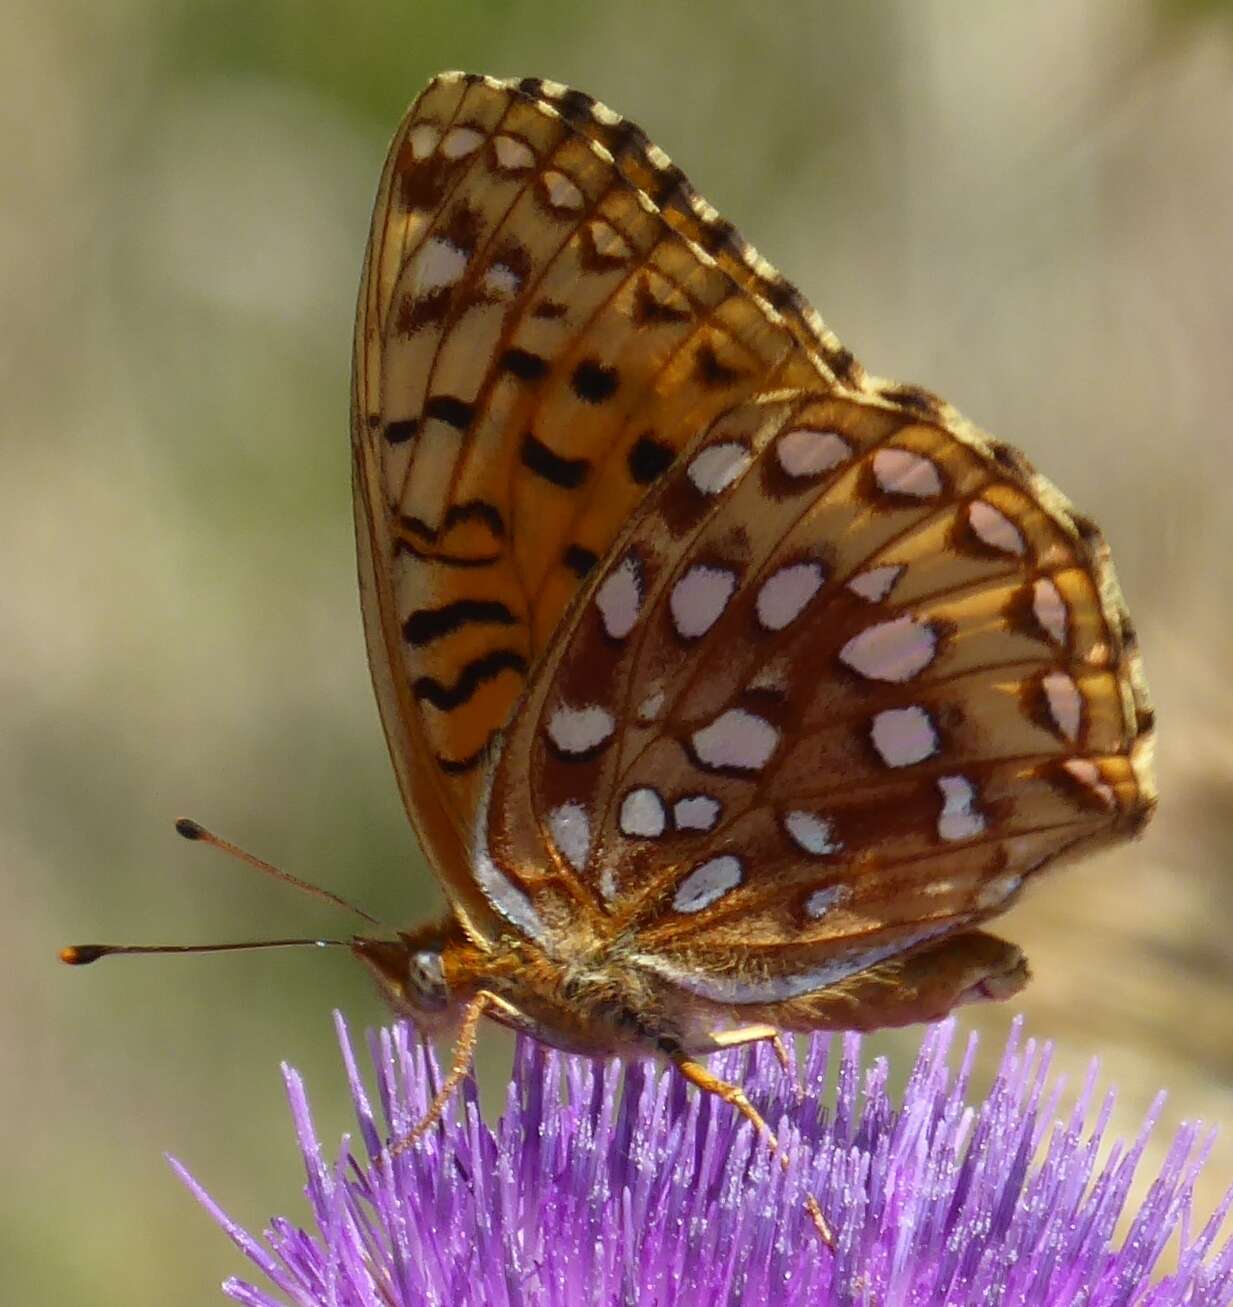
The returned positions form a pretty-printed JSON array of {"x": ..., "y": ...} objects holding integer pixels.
[
  {"x": 81, "y": 955},
  {"x": 192, "y": 830}
]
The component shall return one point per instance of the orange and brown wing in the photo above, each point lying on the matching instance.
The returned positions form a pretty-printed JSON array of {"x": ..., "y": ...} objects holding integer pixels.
[
  {"x": 851, "y": 676},
  {"x": 541, "y": 329}
]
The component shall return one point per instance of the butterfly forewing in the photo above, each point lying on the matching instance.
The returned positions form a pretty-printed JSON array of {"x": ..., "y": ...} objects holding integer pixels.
[
  {"x": 844, "y": 683},
  {"x": 535, "y": 344},
  {"x": 648, "y": 168}
]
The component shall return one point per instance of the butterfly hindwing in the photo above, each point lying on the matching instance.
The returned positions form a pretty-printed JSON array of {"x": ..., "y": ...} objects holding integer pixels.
[{"x": 844, "y": 683}]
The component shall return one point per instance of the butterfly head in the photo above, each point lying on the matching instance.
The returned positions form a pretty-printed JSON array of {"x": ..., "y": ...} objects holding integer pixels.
[{"x": 412, "y": 973}]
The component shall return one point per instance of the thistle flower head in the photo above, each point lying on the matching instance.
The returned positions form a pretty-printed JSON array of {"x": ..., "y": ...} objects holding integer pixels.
[{"x": 602, "y": 1186}]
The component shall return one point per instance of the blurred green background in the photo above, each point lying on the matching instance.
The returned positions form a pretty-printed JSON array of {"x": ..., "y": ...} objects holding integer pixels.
[{"x": 1028, "y": 208}]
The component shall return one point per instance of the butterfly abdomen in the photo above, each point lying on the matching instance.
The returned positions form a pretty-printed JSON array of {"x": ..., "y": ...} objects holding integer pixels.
[{"x": 921, "y": 985}]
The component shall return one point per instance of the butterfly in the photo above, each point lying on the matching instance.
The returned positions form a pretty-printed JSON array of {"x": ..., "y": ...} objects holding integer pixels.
[{"x": 729, "y": 689}]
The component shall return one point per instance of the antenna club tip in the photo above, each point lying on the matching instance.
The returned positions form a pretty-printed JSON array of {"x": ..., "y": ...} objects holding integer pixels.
[
  {"x": 190, "y": 829},
  {"x": 79, "y": 955}
]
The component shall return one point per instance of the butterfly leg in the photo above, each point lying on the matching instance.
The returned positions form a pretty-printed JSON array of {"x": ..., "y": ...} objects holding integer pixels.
[
  {"x": 460, "y": 1065},
  {"x": 755, "y": 1035},
  {"x": 734, "y": 1095}
]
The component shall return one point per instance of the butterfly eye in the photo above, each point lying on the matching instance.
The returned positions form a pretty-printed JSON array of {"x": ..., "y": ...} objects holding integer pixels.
[{"x": 426, "y": 988}]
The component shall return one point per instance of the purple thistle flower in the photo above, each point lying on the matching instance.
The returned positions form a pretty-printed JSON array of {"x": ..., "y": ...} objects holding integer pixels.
[{"x": 646, "y": 1194}]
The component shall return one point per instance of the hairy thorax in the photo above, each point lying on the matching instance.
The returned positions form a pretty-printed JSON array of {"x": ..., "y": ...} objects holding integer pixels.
[{"x": 591, "y": 999}]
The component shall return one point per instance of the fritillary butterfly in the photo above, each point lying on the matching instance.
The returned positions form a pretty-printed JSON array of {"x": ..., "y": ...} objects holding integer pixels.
[{"x": 729, "y": 690}]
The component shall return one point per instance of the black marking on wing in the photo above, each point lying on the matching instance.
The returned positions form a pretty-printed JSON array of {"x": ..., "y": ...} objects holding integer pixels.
[
  {"x": 548, "y": 310},
  {"x": 568, "y": 473},
  {"x": 576, "y": 107},
  {"x": 648, "y": 459},
  {"x": 404, "y": 545},
  {"x": 401, "y": 430},
  {"x": 710, "y": 371},
  {"x": 446, "y": 560},
  {"x": 648, "y": 309},
  {"x": 670, "y": 185},
  {"x": 579, "y": 560},
  {"x": 450, "y": 409},
  {"x": 428, "y": 624},
  {"x": 524, "y": 365},
  {"x": 594, "y": 383},
  {"x": 719, "y": 234},
  {"x": 417, "y": 526},
  {"x": 460, "y": 766},
  {"x": 472, "y": 676},
  {"x": 916, "y": 398},
  {"x": 421, "y": 184},
  {"x": 463, "y": 226},
  {"x": 419, "y": 311},
  {"x": 475, "y": 510}
]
